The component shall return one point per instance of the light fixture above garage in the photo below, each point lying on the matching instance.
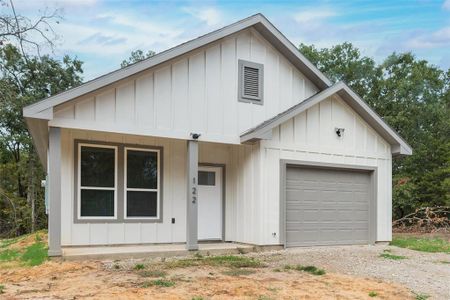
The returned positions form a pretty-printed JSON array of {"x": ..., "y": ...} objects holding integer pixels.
[{"x": 339, "y": 131}]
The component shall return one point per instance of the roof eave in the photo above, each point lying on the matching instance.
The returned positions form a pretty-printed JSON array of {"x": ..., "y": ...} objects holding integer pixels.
[{"x": 258, "y": 21}]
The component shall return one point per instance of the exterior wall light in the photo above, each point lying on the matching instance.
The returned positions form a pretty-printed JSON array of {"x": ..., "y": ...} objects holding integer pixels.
[
  {"x": 339, "y": 131},
  {"x": 195, "y": 136}
]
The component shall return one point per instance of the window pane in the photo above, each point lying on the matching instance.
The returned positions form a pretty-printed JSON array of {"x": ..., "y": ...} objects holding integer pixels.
[
  {"x": 97, "y": 203},
  {"x": 142, "y": 169},
  {"x": 97, "y": 166},
  {"x": 206, "y": 178},
  {"x": 141, "y": 204}
]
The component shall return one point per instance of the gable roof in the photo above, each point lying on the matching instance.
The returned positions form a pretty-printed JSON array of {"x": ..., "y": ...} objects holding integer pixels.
[
  {"x": 44, "y": 109},
  {"x": 398, "y": 145}
]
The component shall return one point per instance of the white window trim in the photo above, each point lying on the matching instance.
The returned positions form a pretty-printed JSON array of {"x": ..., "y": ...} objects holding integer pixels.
[
  {"x": 79, "y": 187},
  {"x": 125, "y": 188}
]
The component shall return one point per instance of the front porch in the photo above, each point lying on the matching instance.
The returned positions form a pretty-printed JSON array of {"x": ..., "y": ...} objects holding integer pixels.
[
  {"x": 154, "y": 250},
  {"x": 178, "y": 223}
]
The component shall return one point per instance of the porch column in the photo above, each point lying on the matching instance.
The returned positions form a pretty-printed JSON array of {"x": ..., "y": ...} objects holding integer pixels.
[
  {"x": 54, "y": 177},
  {"x": 192, "y": 203}
]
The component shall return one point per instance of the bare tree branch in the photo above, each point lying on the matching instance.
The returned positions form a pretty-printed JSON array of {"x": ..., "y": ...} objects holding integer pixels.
[{"x": 23, "y": 32}]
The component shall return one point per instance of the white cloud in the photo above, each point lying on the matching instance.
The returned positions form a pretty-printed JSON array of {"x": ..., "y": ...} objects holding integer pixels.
[
  {"x": 446, "y": 5},
  {"x": 428, "y": 40},
  {"x": 211, "y": 16},
  {"x": 314, "y": 15}
]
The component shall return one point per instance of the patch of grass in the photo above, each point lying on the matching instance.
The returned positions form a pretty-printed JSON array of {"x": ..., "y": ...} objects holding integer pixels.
[
  {"x": 277, "y": 270},
  {"x": 373, "y": 294},
  {"x": 9, "y": 255},
  {"x": 421, "y": 296},
  {"x": 152, "y": 273},
  {"x": 445, "y": 262},
  {"x": 38, "y": 238},
  {"x": 238, "y": 272},
  {"x": 311, "y": 269},
  {"x": 158, "y": 282},
  {"x": 231, "y": 261},
  {"x": 35, "y": 254},
  {"x": 197, "y": 298},
  {"x": 392, "y": 256},
  {"x": 139, "y": 267},
  {"x": 2, "y": 289},
  {"x": 273, "y": 289},
  {"x": 264, "y": 297},
  {"x": 422, "y": 244},
  {"x": 7, "y": 242}
]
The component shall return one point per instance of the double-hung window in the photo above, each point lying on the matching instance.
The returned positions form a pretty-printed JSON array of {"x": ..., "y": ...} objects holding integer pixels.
[
  {"x": 142, "y": 183},
  {"x": 97, "y": 181},
  {"x": 118, "y": 183}
]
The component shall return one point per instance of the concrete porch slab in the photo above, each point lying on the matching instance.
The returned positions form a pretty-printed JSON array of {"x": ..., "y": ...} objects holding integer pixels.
[{"x": 156, "y": 250}]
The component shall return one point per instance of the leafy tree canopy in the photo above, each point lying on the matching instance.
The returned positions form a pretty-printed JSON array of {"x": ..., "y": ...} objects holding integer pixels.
[
  {"x": 23, "y": 81},
  {"x": 136, "y": 56}
]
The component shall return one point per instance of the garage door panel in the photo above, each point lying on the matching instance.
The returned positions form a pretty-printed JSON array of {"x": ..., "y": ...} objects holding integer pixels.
[{"x": 326, "y": 206}]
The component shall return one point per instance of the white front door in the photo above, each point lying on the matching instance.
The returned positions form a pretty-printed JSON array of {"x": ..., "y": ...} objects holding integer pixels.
[{"x": 209, "y": 203}]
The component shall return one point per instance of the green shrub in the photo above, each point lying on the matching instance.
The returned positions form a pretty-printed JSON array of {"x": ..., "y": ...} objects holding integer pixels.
[
  {"x": 373, "y": 294},
  {"x": 139, "y": 267}
]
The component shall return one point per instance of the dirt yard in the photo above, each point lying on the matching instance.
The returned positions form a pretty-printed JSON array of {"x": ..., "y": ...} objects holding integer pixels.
[
  {"x": 100, "y": 280},
  {"x": 351, "y": 272}
]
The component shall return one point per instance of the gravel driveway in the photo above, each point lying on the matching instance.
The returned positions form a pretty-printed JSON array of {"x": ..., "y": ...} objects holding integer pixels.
[{"x": 423, "y": 273}]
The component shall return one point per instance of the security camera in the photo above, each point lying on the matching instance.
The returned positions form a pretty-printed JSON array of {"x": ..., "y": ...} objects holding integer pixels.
[
  {"x": 195, "y": 136},
  {"x": 339, "y": 131}
]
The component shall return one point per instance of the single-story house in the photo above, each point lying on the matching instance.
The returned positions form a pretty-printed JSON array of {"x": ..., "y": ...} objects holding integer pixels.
[{"x": 233, "y": 136}]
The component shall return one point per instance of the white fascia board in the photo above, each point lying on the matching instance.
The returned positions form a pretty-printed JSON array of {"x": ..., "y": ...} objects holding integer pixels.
[{"x": 263, "y": 25}]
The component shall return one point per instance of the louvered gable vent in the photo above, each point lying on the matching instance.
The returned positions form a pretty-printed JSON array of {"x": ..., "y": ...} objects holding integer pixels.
[{"x": 250, "y": 82}]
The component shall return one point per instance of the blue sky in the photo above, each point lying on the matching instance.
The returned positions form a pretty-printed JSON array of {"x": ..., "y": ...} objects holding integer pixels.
[{"x": 102, "y": 33}]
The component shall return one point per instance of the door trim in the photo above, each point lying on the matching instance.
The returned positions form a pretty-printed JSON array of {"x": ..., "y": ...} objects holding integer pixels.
[
  {"x": 285, "y": 163},
  {"x": 223, "y": 167}
]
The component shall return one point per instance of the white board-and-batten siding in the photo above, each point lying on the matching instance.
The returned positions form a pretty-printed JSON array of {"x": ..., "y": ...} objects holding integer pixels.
[
  {"x": 311, "y": 137},
  {"x": 196, "y": 92},
  {"x": 242, "y": 189}
]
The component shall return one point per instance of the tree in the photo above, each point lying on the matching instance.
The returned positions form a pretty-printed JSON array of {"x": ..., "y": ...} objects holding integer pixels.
[
  {"x": 413, "y": 97},
  {"x": 344, "y": 63},
  {"x": 26, "y": 34},
  {"x": 136, "y": 56},
  {"x": 24, "y": 81}
]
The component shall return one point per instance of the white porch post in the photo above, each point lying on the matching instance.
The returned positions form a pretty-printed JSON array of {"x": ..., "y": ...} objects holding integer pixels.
[
  {"x": 192, "y": 201},
  {"x": 54, "y": 177}
]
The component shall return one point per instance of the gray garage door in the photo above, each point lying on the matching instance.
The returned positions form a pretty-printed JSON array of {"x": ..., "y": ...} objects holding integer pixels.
[{"x": 327, "y": 206}]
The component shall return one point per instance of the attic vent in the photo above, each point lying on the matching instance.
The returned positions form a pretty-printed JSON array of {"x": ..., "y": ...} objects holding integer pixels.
[{"x": 251, "y": 82}]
